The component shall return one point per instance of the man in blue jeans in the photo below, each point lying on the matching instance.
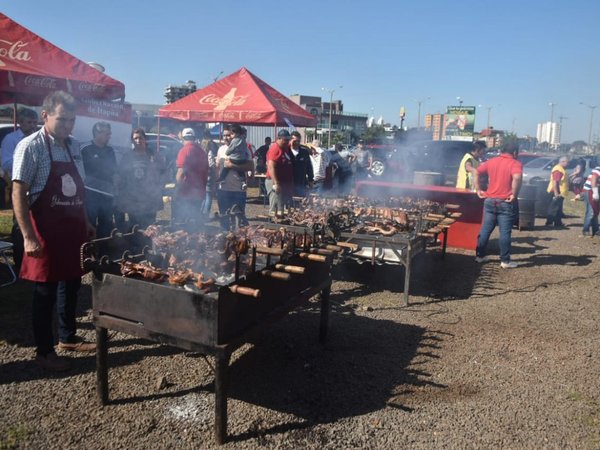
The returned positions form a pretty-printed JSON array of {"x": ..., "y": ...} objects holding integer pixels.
[{"x": 505, "y": 175}]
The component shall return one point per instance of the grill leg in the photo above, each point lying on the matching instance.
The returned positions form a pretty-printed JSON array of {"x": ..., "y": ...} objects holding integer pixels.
[
  {"x": 102, "y": 364},
  {"x": 406, "y": 279},
  {"x": 221, "y": 380},
  {"x": 324, "y": 314},
  {"x": 445, "y": 244}
]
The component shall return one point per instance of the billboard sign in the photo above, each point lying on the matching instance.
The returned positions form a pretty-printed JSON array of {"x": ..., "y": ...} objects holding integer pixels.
[{"x": 459, "y": 123}]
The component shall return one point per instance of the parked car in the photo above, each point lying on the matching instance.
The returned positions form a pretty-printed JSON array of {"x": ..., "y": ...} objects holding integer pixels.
[
  {"x": 427, "y": 156},
  {"x": 525, "y": 157},
  {"x": 539, "y": 169}
]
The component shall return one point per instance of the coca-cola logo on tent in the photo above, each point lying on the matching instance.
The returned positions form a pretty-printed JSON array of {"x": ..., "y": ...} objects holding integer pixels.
[
  {"x": 15, "y": 51},
  {"x": 40, "y": 82},
  {"x": 221, "y": 103}
]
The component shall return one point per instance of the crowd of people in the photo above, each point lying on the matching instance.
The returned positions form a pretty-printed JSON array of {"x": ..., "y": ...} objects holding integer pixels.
[{"x": 65, "y": 193}]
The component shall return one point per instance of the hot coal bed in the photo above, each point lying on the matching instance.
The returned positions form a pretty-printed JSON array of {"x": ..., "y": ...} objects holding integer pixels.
[{"x": 212, "y": 316}]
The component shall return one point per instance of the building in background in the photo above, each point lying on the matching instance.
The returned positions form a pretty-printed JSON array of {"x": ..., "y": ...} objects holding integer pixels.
[
  {"x": 549, "y": 133},
  {"x": 435, "y": 124},
  {"x": 174, "y": 93},
  {"x": 350, "y": 124},
  {"x": 492, "y": 138}
]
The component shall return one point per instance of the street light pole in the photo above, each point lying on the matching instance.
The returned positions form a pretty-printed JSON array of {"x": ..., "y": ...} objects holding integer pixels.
[
  {"x": 331, "y": 91},
  {"x": 419, "y": 103},
  {"x": 551, "y": 132},
  {"x": 460, "y": 101},
  {"x": 552, "y": 105},
  {"x": 592, "y": 108},
  {"x": 489, "y": 110}
]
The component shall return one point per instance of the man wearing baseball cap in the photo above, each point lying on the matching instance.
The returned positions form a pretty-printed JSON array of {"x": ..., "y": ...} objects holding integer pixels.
[
  {"x": 280, "y": 174},
  {"x": 192, "y": 173}
]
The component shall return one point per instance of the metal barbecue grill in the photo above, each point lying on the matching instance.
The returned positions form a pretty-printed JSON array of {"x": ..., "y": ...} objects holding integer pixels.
[
  {"x": 213, "y": 323},
  {"x": 399, "y": 248}
]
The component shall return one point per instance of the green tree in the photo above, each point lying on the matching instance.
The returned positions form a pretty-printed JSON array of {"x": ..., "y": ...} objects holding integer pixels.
[{"x": 374, "y": 134}]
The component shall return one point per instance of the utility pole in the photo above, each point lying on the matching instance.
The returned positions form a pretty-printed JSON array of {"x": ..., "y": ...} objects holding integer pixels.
[
  {"x": 331, "y": 91},
  {"x": 560, "y": 121},
  {"x": 419, "y": 103},
  {"x": 551, "y": 129},
  {"x": 592, "y": 108}
]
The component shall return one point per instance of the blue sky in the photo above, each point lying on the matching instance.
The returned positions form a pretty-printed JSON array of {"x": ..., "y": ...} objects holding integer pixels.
[{"x": 513, "y": 56}]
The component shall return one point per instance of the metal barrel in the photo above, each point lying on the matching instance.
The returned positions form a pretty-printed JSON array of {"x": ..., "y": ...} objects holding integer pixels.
[
  {"x": 542, "y": 199},
  {"x": 428, "y": 178},
  {"x": 527, "y": 197}
]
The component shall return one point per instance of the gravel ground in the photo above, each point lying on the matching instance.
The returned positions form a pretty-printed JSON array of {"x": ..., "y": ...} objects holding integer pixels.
[{"x": 482, "y": 358}]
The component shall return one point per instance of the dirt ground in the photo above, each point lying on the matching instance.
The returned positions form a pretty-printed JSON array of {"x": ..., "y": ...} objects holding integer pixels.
[{"x": 481, "y": 358}]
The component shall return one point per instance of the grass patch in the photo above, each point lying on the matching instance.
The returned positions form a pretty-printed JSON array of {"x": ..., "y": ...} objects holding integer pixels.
[
  {"x": 575, "y": 396},
  {"x": 575, "y": 209},
  {"x": 14, "y": 436},
  {"x": 6, "y": 222},
  {"x": 593, "y": 422}
]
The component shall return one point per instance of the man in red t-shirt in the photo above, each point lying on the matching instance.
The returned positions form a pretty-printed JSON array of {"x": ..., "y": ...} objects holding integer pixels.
[
  {"x": 191, "y": 177},
  {"x": 280, "y": 174},
  {"x": 505, "y": 175}
]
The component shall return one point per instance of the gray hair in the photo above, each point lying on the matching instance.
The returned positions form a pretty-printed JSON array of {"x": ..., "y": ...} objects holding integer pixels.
[{"x": 56, "y": 98}]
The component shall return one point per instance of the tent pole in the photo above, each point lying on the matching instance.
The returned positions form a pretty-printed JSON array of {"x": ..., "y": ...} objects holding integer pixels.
[
  {"x": 15, "y": 113},
  {"x": 158, "y": 134}
]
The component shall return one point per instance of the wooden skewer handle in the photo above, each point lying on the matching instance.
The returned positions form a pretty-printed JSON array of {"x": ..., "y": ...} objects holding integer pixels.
[
  {"x": 333, "y": 248},
  {"x": 277, "y": 275},
  {"x": 350, "y": 245},
  {"x": 313, "y": 257},
  {"x": 322, "y": 251},
  {"x": 270, "y": 251},
  {"x": 245, "y": 291},
  {"x": 290, "y": 269}
]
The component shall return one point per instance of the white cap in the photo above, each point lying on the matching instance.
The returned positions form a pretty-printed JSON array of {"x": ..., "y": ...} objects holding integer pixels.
[{"x": 188, "y": 133}]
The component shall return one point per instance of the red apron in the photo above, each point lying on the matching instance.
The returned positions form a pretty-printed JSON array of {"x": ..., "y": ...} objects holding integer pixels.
[{"x": 60, "y": 224}]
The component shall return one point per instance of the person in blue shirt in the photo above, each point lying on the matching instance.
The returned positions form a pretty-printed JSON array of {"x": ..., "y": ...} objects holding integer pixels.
[{"x": 28, "y": 120}]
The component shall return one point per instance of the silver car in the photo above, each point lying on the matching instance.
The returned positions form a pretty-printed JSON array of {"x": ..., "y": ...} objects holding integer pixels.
[{"x": 539, "y": 169}]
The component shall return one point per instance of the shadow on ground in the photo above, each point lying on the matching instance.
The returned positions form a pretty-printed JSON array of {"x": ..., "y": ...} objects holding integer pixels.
[
  {"x": 364, "y": 361},
  {"x": 452, "y": 277}
]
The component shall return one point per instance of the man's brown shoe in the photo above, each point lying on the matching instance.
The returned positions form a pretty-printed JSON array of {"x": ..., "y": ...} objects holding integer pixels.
[
  {"x": 53, "y": 362},
  {"x": 81, "y": 346}
]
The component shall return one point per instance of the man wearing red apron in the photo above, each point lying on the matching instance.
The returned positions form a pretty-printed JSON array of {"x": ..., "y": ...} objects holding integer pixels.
[{"x": 48, "y": 198}]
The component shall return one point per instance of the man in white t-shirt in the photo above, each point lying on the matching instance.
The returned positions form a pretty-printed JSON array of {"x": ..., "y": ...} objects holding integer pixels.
[{"x": 320, "y": 162}]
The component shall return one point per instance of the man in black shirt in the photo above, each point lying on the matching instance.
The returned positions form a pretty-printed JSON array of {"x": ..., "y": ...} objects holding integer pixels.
[
  {"x": 302, "y": 165},
  {"x": 261, "y": 164},
  {"x": 100, "y": 179}
]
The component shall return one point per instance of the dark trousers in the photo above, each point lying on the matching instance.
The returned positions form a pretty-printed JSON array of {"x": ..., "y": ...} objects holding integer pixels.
[
  {"x": 554, "y": 214},
  {"x": 143, "y": 220},
  {"x": 186, "y": 209},
  {"x": 100, "y": 212},
  {"x": 45, "y": 295},
  {"x": 226, "y": 200},
  {"x": 119, "y": 220},
  {"x": 18, "y": 245},
  {"x": 3, "y": 187}
]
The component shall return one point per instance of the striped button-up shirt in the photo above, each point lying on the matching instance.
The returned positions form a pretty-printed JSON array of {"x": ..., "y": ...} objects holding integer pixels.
[
  {"x": 588, "y": 182},
  {"x": 32, "y": 163}
]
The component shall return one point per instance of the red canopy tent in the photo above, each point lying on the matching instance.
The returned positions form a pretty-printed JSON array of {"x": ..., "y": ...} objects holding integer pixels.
[
  {"x": 241, "y": 97},
  {"x": 31, "y": 68}
]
